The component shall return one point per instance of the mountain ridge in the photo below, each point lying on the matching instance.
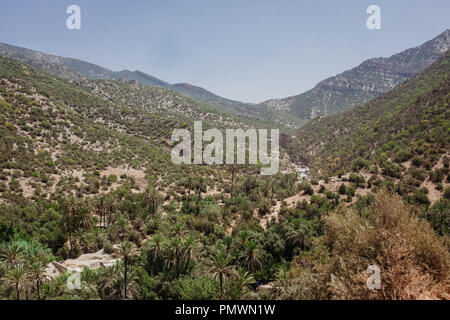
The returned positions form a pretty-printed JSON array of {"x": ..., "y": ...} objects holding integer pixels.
[
  {"x": 360, "y": 84},
  {"x": 76, "y": 70},
  {"x": 79, "y": 69},
  {"x": 392, "y": 127}
]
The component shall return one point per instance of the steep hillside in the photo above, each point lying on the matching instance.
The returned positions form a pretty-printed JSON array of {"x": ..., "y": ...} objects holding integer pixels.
[
  {"x": 49, "y": 142},
  {"x": 58, "y": 136},
  {"x": 71, "y": 69},
  {"x": 410, "y": 122},
  {"x": 363, "y": 83},
  {"x": 159, "y": 103},
  {"x": 208, "y": 97}
]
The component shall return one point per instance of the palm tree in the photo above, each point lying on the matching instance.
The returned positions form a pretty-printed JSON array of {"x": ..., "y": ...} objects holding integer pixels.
[
  {"x": 199, "y": 200},
  {"x": 188, "y": 245},
  {"x": 299, "y": 236},
  {"x": 100, "y": 209},
  {"x": 175, "y": 252},
  {"x": 155, "y": 246},
  {"x": 438, "y": 216},
  {"x": 127, "y": 250},
  {"x": 266, "y": 187},
  {"x": 241, "y": 283},
  {"x": 111, "y": 209},
  {"x": 282, "y": 272},
  {"x": 12, "y": 254},
  {"x": 232, "y": 181},
  {"x": 37, "y": 275},
  {"x": 152, "y": 199},
  {"x": 108, "y": 278},
  {"x": 272, "y": 189},
  {"x": 111, "y": 282},
  {"x": 228, "y": 242},
  {"x": 17, "y": 279},
  {"x": 122, "y": 225},
  {"x": 200, "y": 187},
  {"x": 84, "y": 219},
  {"x": 219, "y": 265},
  {"x": 68, "y": 224},
  {"x": 252, "y": 257},
  {"x": 178, "y": 231},
  {"x": 281, "y": 282},
  {"x": 76, "y": 215},
  {"x": 3, "y": 268},
  {"x": 244, "y": 236},
  {"x": 189, "y": 193}
]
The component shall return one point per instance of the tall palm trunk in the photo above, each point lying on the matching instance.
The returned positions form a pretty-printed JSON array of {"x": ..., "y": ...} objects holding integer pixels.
[
  {"x": 271, "y": 193},
  {"x": 221, "y": 285},
  {"x": 189, "y": 196},
  {"x": 177, "y": 261},
  {"x": 187, "y": 262},
  {"x": 200, "y": 191},
  {"x": 101, "y": 212},
  {"x": 125, "y": 275},
  {"x": 110, "y": 211},
  {"x": 70, "y": 242},
  {"x": 38, "y": 289},
  {"x": 232, "y": 182}
]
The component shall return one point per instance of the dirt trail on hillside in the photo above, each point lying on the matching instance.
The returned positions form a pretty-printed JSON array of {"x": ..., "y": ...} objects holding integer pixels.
[
  {"x": 138, "y": 175},
  {"x": 275, "y": 210},
  {"x": 333, "y": 185}
]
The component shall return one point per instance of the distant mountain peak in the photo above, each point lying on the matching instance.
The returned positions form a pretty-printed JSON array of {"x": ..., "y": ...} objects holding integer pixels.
[
  {"x": 186, "y": 85},
  {"x": 362, "y": 83}
]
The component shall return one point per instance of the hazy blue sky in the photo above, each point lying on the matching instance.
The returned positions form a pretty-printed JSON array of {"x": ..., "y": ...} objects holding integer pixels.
[{"x": 249, "y": 50}]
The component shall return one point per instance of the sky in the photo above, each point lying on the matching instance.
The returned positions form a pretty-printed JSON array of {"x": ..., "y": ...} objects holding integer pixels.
[{"x": 246, "y": 50}]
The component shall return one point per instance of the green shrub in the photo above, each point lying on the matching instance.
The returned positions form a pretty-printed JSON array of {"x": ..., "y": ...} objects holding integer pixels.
[
  {"x": 14, "y": 185},
  {"x": 342, "y": 189},
  {"x": 197, "y": 288},
  {"x": 402, "y": 156},
  {"x": 108, "y": 248},
  {"x": 436, "y": 176},
  {"x": 447, "y": 193},
  {"x": 418, "y": 174},
  {"x": 392, "y": 170},
  {"x": 421, "y": 198},
  {"x": 45, "y": 124},
  {"x": 350, "y": 192},
  {"x": 416, "y": 161},
  {"x": 446, "y": 161}
]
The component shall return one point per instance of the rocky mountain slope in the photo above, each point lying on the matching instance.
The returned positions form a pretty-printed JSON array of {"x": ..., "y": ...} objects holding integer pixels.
[
  {"x": 69, "y": 68},
  {"x": 75, "y": 70},
  {"x": 363, "y": 83},
  {"x": 57, "y": 135},
  {"x": 411, "y": 122}
]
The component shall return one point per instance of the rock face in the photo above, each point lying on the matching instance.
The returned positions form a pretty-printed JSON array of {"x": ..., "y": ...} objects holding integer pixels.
[
  {"x": 92, "y": 261},
  {"x": 363, "y": 83}
]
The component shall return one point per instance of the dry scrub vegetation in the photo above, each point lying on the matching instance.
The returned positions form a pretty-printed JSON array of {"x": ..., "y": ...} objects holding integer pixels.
[{"x": 414, "y": 261}]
